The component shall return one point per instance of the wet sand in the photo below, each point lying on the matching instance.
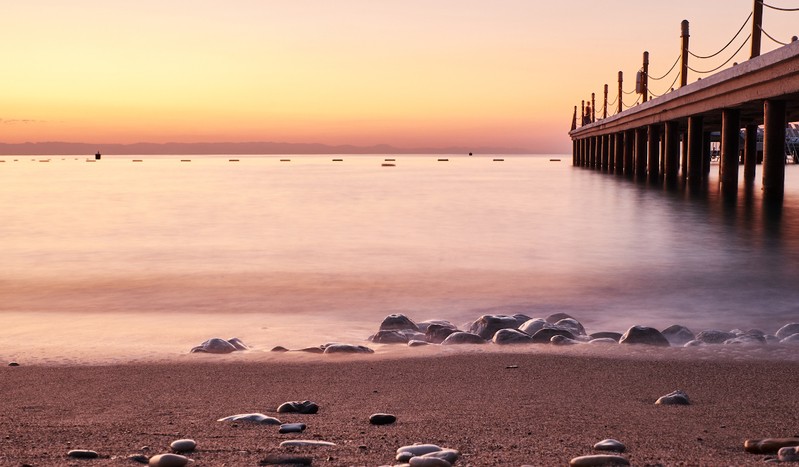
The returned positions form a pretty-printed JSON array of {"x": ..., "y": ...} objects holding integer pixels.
[{"x": 551, "y": 408}]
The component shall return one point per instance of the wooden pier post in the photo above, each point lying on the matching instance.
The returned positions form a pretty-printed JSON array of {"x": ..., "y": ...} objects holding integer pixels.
[
  {"x": 593, "y": 107},
  {"x": 605, "y": 152},
  {"x": 707, "y": 154},
  {"x": 654, "y": 152},
  {"x": 645, "y": 77},
  {"x": 684, "y": 150},
  {"x": 605, "y": 106},
  {"x": 611, "y": 152},
  {"x": 730, "y": 146},
  {"x": 684, "y": 54},
  {"x": 750, "y": 153},
  {"x": 574, "y": 119},
  {"x": 672, "y": 160},
  {"x": 591, "y": 149},
  {"x": 618, "y": 163},
  {"x": 620, "y": 106},
  {"x": 582, "y": 114},
  {"x": 695, "y": 147},
  {"x": 775, "y": 119},
  {"x": 640, "y": 153},
  {"x": 629, "y": 153},
  {"x": 757, "y": 31}
]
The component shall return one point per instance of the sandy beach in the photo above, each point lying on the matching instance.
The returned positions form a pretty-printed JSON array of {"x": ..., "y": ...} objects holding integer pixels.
[{"x": 495, "y": 407}]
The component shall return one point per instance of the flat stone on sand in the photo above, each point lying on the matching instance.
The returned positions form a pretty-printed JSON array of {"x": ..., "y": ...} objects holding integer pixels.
[
  {"x": 251, "y": 418},
  {"x": 382, "y": 419},
  {"x": 674, "y": 398},
  {"x": 168, "y": 460},
  {"x": 82, "y": 454},
  {"x": 416, "y": 450},
  {"x": 183, "y": 445},
  {"x": 449, "y": 455},
  {"x": 511, "y": 337},
  {"x": 303, "y": 407},
  {"x": 769, "y": 445},
  {"x": 423, "y": 461},
  {"x": 215, "y": 346},
  {"x": 346, "y": 348},
  {"x": 292, "y": 428},
  {"x": 461, "y": 337},
  {"x": 610, "y": 445},
  {"x": 598, "y": 460},
  {"x": 306, "y": 442}
]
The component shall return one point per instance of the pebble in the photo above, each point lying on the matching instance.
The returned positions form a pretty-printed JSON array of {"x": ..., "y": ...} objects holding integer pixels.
[
  {"x": 251, "y": 417},
  {"x": 396, "y": 322},
  {"x": 140, "y": 458},
  {"x": 572, "y": 325},
  {"x": 168, "y": 460},
  {"x": 461, "y": 337},
  {"x": 674, "y": 398},
  {"x": 787, "y": 330},
  {"x": 82, "y": 454},
  {"x": 532, "y": 326},
  {"x": 405, "y": 453},
  {"x": 382, "y": 419},
  {"x": 604, "y": 340},
  {"x": 436, "y": 333},
  {"x": 788, "y": 454},
  {"x": 714, "y": 336},
  {"x": 678, "y": 335},
  {"x": 610, "y": 445},
  {"x": 389, "y": 337},
  {"x": 13, "y": 364},
  {"x": 306, "y": 442},
  {"x": 644, "y": 335},
  {"x": 283, "y": 460},
  {"x": 292, "y": 428},
  {"x": 346, "y": 348},
  {"x": 511, "y": 336},
  {"x": 792, "y": 339},
  {"x": 769, "y": 445},
  {"x": 598, "y": 460},
  {"x": 417, "y": 343},
  {"x": 215, "y": 346},
  {"x": 449, "y": 455},
  {"x": 488, "y": 325},
  {"x": 303, "y": 407},
  {"x": 747, "y": 339},
  {"x": 555, "y": 317},
  {"x": 279, "y": 348},
  {"x": 423, "y": 461},
  {"x": 183, "y": 445},
  {"x": 606, "y": 335},
  {"x": 544, "y": 336},
  {"x": 562, "y": 340}
]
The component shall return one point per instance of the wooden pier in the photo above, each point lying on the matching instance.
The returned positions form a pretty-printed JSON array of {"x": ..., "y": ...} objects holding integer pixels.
[{"x": 647, "y": 141}]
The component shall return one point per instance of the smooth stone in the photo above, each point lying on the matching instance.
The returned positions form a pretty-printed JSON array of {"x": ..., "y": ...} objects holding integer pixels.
[
  {"x": 769, "y": 445},
  {"x": 317, "y": 349},
  {"x": 13, "y": 364},
  {"x": 382, "y": 419},
  {"x": 215, "y": 346},
  {"x": 644, "y": 335},
  {"x": 436, "y": 333},
  {"x": 306, "y": 442},
  {"x": 238, "y": 344},
  {"x": 563, "y": 340},
  {"x": 292, "y": 428},
  {"x": 714, "y": 336},
  {"x": 694, "y": 343},
  {"x": 788, "y": 454},
  {"x": 511, "y": 336},
  {"x": 678, "y": 335},
  {"x": 140, "y": 458},
  {"x": 346, "y": 348},
  {"x": 461, "y": 337},
  {"x": 747, "y": 339},
  {"x": 604, "y": 340},
  {"x": 168, "y": 460},
  {"x": 279, "y": 348},
  {"x": 674, "y": 398},
  {"x": 303, "y": 407},
  {"x": 787, "y": 330},
  {"x": 425, "y": 325},
  {"x": 610, "y": 445},
  {"x": 422, "y": 461},
  {"x": 571, "y": 325},
  {"x": 389, "y": 337},
  {"x": 555, "y": 317},
  {"x": 449, "y": 455},
  {"x": 417, "y": 343},
  {"x": 532, "y": 326},
  {"x": 82, "y": 454},
  {"x": 521, "y": 319},
  {"x": 252, "y": 418},
  {"x": 397, "y": 321},
  {"x": 598, "y": 460},
  {"x": 792, "y": 339},
  {"x": 286, "y": 460},
  {"x": 418, "y": 449},
  {"x": 488, "y": 325},
  {"x": 544, "y": 336},
  {"x": 606, "y": 335},
  {"x": 183, "y": 445}
]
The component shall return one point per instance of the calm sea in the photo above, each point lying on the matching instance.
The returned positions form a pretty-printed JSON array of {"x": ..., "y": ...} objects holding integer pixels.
[{"x": 314, "y": 243}]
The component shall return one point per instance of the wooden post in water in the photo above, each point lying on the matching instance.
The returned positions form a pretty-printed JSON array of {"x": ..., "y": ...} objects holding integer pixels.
[
  {"x": 750, "y": 153},
  {"x": 757, "y": 28},
  {"x": 654, "y": 152},
  {"x": 620, "y": 106},
  {"x": 730, "y": 145},
  {"x": 640, "y": 153},
  {"x": 582, "y": 114},
  {"x": 645, "y": 77},
  {"x": 611, "y": 152},
  {"x": 618, "y": 163},
  {"x": 603, "y": 160},
  {"x": 591, "y": 145},
  {"x": 775, "y": 120},
  {"x": 629, "y": 153},
  {"x": 605, "y": 107},
  {"x": 684, "y": 54},
  {"x": 684, "y": 150},
  {"x": 593, "y": 107},
  {"x": 695, "y": 147},
  {"x": 672, "y": 160},
  {"x": 707, "y": 150},
  {"x": 574, "y": 119}
]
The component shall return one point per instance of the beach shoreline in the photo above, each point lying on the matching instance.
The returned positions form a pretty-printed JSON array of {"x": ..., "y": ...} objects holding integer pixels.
[{"x": 497, "y": 408}]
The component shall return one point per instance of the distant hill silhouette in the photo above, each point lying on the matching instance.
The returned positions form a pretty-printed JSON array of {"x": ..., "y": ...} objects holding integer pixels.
[{"x": 62, "y": 148}]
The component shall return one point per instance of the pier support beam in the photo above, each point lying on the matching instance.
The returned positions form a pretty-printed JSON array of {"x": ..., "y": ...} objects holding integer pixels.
[
  {"x": 640, "y": 153},
  {"x": 618, "y": 162},
  {"x": 750, "y": 153},
  {"x": 730, "y": 146},
  {"x": 629, "y": 152},
  {"x": 695, "y": 147},
  {"x": 684, "y": 150},
  {"x": 707, "y": 153},
  {"x": 775, "y": 120},
  {"x": 591, "y": 151},
  {"x": 654, "y": 152},
  {"x": 605, "y": 152},
  {"x": 672, "y": 152},
  {"x": 612, "y": 152}
]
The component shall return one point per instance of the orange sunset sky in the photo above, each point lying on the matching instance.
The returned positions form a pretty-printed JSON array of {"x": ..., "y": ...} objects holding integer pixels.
[{"x": 408, "y": 73}]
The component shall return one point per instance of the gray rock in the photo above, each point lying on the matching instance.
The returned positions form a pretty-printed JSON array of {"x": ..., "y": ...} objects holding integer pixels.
[
  {"x": 714, "y": 336},
  {"x": 216, "y": 346},
  {"x": 604, "y": 341},
  {"x": 571, "y": 325},
  {"x": 511, "y": 337},
  {"x": 555, "y": 317},
  {"x": 598, "y": 460},
  {"x": 463, "y": 338},
  {"x": 562, "y": 341},
  {"x": 405, "y": 453},
  {"x": 792, "y": 339},
  {"x": 610, "y": 445},
  {"x": 788, "y": 454},
  {"x": 303, "y": 407},
  {"x": 544, "y": 336},
  {"x": 769, "y": 445},
  {"x": 643, "y": 335},
  {"x": 425, "y": 325},
  {"x": 487, "y": 325},
  {"x": 183, "y": 445},
  {"x": 251, "y": 418},
  {"x": 417, "y": 343},
  {"x": 168, "y": 460},
  {"x": 306, "y": 442},
  {"x": 238, "y": 344},
  {"x": 389, "y": 337},
  {"x": 678, "y": 335},
  {"x": 606, "y": 335},
  {"x": 291, "y": 428},
  {"x": 346, "y": 348},
  {"x": 140, "y": 458},
  {"x": 82, "y": 454},
  {"x": 382, "y": 419},
  {"x": 397, "y": 321},
  {"x": 532, "y": 326},
  {"x": 674, "y": 398},
  {"x": 747, "y": 339},
  {"x": 449, "y": 455},
  {"x": 787, "y": 330},
  {"x": 521, "y": 319},
  {"x": 424, "y": 461},
  {"x": 436, "y": 333}
]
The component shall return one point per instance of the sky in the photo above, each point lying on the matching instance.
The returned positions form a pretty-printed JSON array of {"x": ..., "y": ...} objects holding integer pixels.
[{"x": 408, "y": 73}]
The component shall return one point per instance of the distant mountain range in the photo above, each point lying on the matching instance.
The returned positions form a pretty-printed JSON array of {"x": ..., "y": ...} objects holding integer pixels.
[{"x": 61, "y": 148}]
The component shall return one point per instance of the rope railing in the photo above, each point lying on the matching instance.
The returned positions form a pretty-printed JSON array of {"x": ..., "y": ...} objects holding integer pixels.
[
  {"x": 634, "y": 103},
  {"x": 667, "y": 73},
  {"x": 704, "y": 72},
  {"x": 668, "y": 90},
  {"x": 770, "y": 37},
  {"x": 778, "y": 8},
  {"x": 702, "y": 57}
]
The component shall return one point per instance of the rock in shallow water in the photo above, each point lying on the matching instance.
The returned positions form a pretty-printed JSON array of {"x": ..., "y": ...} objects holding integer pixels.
[
  {"x": 644, "y": 335},
  {"x": 463, "y": 338},
  {"x": 610, "y": 445},
  {"x": 436, "y": 333},
  {"x": 168, "y": 460},
  {"x": 220, "y": 346},
  {"x": 251, "y": 418},
  {"x": 545, "y": 335},
  {"x": 563, "y": 340},
  {"x": 397, "y": 322},
  {"x": 511, "y": 336},
  {"x": 382, "y": 419},
  {"x": 769, "y": 445},
  {"x": 389, "y": 337},
  {"x": 303, "y": 407},
  {"x": 606, "y": 335},
  {"x": 334, "y": 348},
  {"x": 183, "y": 445},
  {"x": 598, "y": 460},
  {"x": 678, "y": 335},
  {"x": 488, "y": 325},
  {"x": 787, "y": 330},
  {"x": 675, "y": 398},
  {"x": 82, "y": 454},
  {"x": 714, "y": 336},
  {"x": 792, "y": 339}
]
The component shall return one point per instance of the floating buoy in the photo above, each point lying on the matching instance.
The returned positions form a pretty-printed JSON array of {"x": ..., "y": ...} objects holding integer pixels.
[
  {"x": 232, "y": 160},
  {"x": 443, "y": 160},
  {"x": 137, "y": 160},
  {"x": 388, "y": 165},
  {"x": 338, "y": 160},
  {"x": 185, "y": 160},
  {"x": 499, "y": 160},
  {"x": 389, "y": 160},
  {"x": 285, "y": 160},
  {"x": 554, "y": 160}
]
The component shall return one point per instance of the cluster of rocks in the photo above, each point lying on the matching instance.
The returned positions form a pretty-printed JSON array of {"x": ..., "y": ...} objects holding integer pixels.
[
  {"x": 220, "y": 346},
  {"x": 561, "y": 329},
  {"x": 786, "y": 449},
  {"x": 168, "y": 459}
]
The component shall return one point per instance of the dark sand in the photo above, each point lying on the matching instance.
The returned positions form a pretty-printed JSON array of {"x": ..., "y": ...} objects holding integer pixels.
[{"x": 551, "y": 408}]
